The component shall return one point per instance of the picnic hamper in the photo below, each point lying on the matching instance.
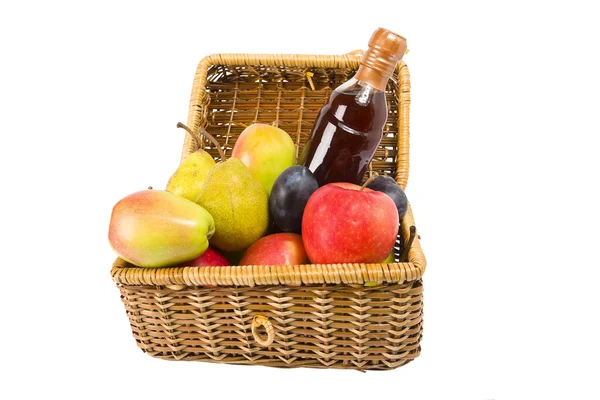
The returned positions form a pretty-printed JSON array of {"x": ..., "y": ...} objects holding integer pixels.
[{"x": 351, "y": 316}]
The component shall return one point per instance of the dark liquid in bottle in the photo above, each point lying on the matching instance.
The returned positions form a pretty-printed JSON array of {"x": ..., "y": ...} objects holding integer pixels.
[{"x": 346, "y": 134}]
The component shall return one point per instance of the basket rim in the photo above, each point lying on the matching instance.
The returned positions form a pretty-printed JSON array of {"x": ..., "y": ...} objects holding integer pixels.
[
  {"x": 375, "y": 274},
  {"x": 347, "y": 60}
]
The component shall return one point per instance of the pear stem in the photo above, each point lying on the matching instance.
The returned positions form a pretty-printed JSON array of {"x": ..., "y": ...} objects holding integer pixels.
[
  {"x": 196, "y": 137},
  {"x": 371, "y": 178}
]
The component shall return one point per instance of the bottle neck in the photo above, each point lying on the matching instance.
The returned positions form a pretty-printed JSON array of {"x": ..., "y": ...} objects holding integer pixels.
[
  {"x": 377, "y": 66},
  {"x": 372, "y": 77}
]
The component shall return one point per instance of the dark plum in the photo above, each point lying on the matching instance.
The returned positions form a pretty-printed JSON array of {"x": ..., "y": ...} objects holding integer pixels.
[
  {"x": 388, "y": 185},
  {"x": 289, "y": 196}
]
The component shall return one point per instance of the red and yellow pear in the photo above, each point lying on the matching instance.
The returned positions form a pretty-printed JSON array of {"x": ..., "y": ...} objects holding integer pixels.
[
  {"x": 266, "y": 150},
  {"x": 155, "y": 228}
]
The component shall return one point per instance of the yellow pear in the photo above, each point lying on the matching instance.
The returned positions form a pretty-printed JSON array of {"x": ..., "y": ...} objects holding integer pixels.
[
  {"x": 238, "y": 203},
  {"x": 188, "y": 179}
]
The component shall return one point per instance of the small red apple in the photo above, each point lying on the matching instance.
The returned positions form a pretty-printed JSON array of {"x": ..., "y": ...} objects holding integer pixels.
[
  {"x": 345, "y": 223},
  {"x": 276, "y": 249},
  {"x": 210, "y": 257}
]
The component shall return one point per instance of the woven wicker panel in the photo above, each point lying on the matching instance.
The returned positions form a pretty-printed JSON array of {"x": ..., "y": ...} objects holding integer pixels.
[
  {"x": 335, "y": 327},
  {"x": 230, "y": 94}
]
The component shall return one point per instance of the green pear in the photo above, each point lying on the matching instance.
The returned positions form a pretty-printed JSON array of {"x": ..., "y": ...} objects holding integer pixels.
[
  {"x": 238, "y": 203},
  {"x": 189, "y": 177}
]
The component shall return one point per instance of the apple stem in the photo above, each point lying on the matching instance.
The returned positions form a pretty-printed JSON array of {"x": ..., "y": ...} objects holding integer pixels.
[
  {"x": 198, "y": 140},
  {"x": 371, "y": 178}
]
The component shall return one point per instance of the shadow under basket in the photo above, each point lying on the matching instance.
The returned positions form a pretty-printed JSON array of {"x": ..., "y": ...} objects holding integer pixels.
[{"x": 350, "y": 316}]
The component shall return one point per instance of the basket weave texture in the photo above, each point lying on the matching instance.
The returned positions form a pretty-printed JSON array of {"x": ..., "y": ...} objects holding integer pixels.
[{"x": 354, "y": 316}]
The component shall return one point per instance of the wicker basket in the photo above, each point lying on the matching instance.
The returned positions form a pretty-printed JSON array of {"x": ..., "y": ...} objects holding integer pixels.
[{"x": 354, "y": 316}]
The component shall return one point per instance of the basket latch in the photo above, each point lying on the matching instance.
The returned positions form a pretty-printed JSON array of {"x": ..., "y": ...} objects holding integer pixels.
[{"x": 259, "y": 321}]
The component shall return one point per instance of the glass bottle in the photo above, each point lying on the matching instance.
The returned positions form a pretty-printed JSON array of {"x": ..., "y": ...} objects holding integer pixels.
[{"x": 349, "y": 127}]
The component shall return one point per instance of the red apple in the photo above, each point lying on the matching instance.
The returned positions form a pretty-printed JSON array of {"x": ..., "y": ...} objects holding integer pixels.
[
  {"x": 210, "y": 257},
  {"x": 344, "y": 223},
  {"x": 276, "y": 249}
]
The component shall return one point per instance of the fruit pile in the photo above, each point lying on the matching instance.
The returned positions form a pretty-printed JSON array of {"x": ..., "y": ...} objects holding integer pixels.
[{"x": 256, "y": 208}]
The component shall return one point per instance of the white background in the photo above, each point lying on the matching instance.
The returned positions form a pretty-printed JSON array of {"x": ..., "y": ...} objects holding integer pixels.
[{"x": 504, "y": 187}]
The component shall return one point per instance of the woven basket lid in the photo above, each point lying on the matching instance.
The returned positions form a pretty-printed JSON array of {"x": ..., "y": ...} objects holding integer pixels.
[{"x": 400, "y": 82}]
